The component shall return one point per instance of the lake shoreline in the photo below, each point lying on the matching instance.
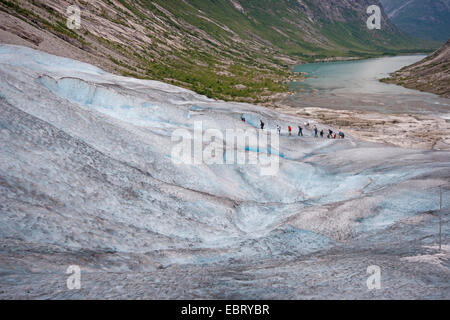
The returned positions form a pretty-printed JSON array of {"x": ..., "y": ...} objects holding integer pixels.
[
  {"x": 363, "y": 107},
  {"x": 412, "y": 131}
]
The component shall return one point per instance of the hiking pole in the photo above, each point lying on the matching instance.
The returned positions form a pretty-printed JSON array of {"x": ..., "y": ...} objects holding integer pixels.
[{"x": 440, "y": 220}]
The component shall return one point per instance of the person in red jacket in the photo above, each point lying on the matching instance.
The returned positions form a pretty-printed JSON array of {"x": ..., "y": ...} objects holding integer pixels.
[{"x": 290, "y": 130}]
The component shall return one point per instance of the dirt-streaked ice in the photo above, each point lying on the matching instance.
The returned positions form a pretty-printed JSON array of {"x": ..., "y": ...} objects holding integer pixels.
[{"x": 86, "y": 178}]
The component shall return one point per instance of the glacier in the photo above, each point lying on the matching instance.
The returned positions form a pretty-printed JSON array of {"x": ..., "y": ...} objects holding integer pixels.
[{"x": 86, "y": 178}]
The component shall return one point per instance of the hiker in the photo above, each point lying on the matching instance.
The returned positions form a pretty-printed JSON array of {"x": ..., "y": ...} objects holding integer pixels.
[
  {"x": 279, "y": 130},
  {"x": 341, "y": 135},
  {"x": 262, "y": 125},
  {"x": 315, "y": 131},
  {"x": 334, "y": 136},
  {"x": 321, "y": 133},
  {"x": 242, "y": 118},
  {"x": 330, "y": 134},
  {"x": 300, "y": 131},
  {"x": 290, "y": 130}
]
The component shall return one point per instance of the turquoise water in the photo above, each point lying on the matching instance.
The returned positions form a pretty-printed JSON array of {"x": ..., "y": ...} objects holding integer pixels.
[
  {"x": 361, "y": 76},
  {"x": 355, "y": 85}
]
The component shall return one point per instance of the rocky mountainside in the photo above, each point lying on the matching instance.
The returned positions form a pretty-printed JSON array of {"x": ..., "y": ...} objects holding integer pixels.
[
  {"x": 227, "y": 49},
  {"x": 428, "y": 19},
  {"x": 431, "y": 74}
]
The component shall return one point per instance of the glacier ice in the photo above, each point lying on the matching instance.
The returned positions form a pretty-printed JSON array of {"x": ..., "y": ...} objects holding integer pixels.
[{"x": 85, "y": 164}]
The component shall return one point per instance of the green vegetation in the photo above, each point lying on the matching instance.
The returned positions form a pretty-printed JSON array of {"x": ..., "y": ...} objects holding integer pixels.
[
  {"x": 211, "y": 47},
  {"x": 427, "y": 19}
]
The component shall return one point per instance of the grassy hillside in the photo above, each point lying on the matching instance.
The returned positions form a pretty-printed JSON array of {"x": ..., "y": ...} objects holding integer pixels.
[{"x": 228, "y": 49}]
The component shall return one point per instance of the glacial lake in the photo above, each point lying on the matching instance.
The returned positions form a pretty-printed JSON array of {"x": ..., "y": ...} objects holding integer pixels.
[
  {"x": 359, "y": 76},
  {"x": 355, "y": 85}
]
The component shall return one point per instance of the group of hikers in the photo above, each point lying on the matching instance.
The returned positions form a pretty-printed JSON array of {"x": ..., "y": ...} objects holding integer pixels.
[
  {"x": 330, "y": 135},
  {"x": 316, "y": 133}
]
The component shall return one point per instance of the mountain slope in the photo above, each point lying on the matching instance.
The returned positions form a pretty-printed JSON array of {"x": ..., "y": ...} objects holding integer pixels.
[
  {"x": 428, "y": 19},
  {"x": 227, "y": 49},
  {"x": 432, "y": 74}
]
